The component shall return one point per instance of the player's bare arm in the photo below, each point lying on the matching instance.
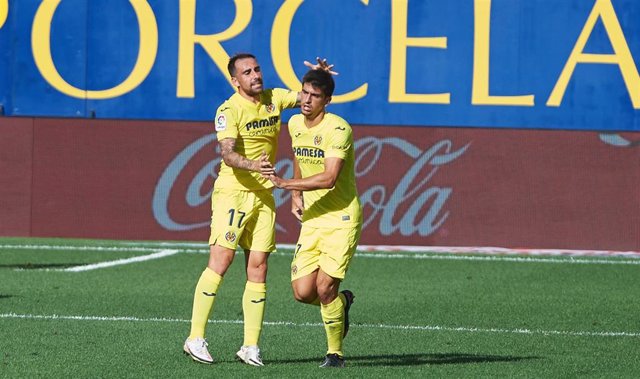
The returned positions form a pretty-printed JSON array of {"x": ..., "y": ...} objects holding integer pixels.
[
  {"x": 233, "y": 159},
  {"x": 323, "y": 180},
  {"x": 297, "y": 201}
]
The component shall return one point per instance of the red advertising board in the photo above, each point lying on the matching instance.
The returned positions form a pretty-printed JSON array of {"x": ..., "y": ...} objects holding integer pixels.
[
  {"x": 16, "y": 146},
  {"x": 425, "y": 186}
]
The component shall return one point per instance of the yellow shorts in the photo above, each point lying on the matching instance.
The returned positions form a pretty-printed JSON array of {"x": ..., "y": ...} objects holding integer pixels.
[
  {"x": 328, "y": 249},
  {"x": 243, "y": 218}
]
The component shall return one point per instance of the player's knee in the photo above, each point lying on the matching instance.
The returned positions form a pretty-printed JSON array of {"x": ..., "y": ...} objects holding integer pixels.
[
  {"x": 302, "y": 296},
  {"x": 258, "y": 269},
  {"x": 220, "y": 260},
  {"x": 257, "y": 273}
]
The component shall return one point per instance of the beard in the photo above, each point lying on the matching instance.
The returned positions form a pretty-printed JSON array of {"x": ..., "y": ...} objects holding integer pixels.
[{"x": 255, "y": 88}]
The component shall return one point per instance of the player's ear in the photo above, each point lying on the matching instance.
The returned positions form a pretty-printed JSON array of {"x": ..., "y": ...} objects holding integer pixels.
[
  {"x": 327, "y": 100},
  {"x": 235, "y": 82}
]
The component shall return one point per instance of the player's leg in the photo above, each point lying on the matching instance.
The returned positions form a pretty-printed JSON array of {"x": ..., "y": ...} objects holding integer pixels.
[
  {"x": 337, "y": 248},
  {"x": 253, "y": 305},
  {"x": 220, "y": 259},
  {"x": 222, "y": 245},
  {"x": 332, "y": 309},
  {"x": 258, "y": 241},
  {"x": 327, "y": 287},
  {"x": 304, "y": 267},
  {"x": 305, "y": 290}
]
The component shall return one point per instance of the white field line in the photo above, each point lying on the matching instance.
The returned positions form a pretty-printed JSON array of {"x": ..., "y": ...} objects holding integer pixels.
[
  {"x": 394, "y": 252},
  {"x": 496, "y": 251},
  {"x": 118, "y": 262},
  {"x": 79, "y": 248},
  {"x": 144, "y": 246},
  {"x": 570, "y": 260},
  {"x": 430, "y": 328}
]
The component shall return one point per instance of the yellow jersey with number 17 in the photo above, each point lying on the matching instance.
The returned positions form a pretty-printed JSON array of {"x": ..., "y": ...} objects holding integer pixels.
[
  {"x": 338, "y": 207},
  {"x": 255, "y": 127}
]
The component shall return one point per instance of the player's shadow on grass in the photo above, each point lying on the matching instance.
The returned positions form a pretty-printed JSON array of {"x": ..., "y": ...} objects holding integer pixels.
[
  {"x": 418, "y": 359},
  {"x": 38, "y": 266}
]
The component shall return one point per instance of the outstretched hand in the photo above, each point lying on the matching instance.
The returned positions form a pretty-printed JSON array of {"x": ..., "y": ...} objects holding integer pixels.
[{"x": 321, "y": 65}]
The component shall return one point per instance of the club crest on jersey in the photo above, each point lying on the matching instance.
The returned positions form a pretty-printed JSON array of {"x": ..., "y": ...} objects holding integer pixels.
[
  {"x": 294, "y": 270},
  {"x": 271, "y": 108},
  {"x": 317, "y": 140},
  {"x": 230, "y": 237},
  {"x": 221, "y": 123}
]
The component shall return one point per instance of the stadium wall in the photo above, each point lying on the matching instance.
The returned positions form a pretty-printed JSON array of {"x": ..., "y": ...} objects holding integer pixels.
[
  {"x": 478, "y": 122},
  {"x": 151, "y": 180}
]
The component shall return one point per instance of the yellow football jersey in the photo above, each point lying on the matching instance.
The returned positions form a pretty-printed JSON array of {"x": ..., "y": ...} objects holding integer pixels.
[
  {"x": 255, "y": 128},
  {"x": 337, "y": 207}
]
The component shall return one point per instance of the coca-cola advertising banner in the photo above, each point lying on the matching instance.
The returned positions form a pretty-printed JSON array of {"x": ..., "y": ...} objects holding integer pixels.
[{"x": 152, "y": 180}]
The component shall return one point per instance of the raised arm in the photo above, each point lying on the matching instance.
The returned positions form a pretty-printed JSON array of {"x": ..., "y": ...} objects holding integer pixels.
[{"x": 320, "y": 65}]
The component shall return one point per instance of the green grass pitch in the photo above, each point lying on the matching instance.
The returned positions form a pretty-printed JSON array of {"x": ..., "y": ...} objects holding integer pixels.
[{"x": 90, "y": 309}]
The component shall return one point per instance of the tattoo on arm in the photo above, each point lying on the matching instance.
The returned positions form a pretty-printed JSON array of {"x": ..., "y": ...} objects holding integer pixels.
[{"x": 233, "y": 159}]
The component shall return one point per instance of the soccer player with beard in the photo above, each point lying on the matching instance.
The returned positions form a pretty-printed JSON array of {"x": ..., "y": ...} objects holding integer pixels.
[
  {"x": 243, "y": 207},
  {"x": 325, "y": 198}
]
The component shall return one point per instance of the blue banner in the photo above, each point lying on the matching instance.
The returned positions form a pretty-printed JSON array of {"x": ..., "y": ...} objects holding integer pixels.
[{"x": 539, "y": 64}]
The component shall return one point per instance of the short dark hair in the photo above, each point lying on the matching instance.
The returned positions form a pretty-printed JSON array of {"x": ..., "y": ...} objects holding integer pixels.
[
  {"x": 320, "y": 79},
  {"x": 231, "y": 67}
]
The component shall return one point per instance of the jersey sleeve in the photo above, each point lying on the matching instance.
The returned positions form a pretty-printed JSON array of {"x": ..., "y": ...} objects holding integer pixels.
[
  {"x": 285, "y": 98},
  {"x": 293, "y": 123},
  {"x": 340, "y": 141},
  {"x": 226, "y": 122}
]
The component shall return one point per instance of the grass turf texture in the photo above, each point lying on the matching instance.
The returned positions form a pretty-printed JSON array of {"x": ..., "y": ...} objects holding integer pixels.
[{"x": 415, "y": 315}]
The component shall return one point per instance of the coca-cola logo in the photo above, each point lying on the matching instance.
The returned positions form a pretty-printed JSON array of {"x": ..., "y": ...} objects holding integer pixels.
[
  {"x": 424, "y": 203},
  {"x": 404, "y": 202}
]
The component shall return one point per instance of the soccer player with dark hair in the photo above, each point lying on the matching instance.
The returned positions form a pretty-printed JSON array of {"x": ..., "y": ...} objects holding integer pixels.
[
  {"x": 243, "y": 207},
  {"x": 325, "y": 198}
]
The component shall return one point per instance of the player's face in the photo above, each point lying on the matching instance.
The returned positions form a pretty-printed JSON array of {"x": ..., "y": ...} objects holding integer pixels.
[
  {"x": 248, "y": 77},
  {"x": 312, "y": 100}
]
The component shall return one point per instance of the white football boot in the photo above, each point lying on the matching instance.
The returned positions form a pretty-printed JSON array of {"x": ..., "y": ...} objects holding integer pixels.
[
  {"x": 197, "y": 349},
  {"x": 250, "y": 355}
]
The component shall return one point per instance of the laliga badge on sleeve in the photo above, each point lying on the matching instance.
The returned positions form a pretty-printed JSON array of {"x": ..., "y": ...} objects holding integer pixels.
[{"x": 221, "y": 123}]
